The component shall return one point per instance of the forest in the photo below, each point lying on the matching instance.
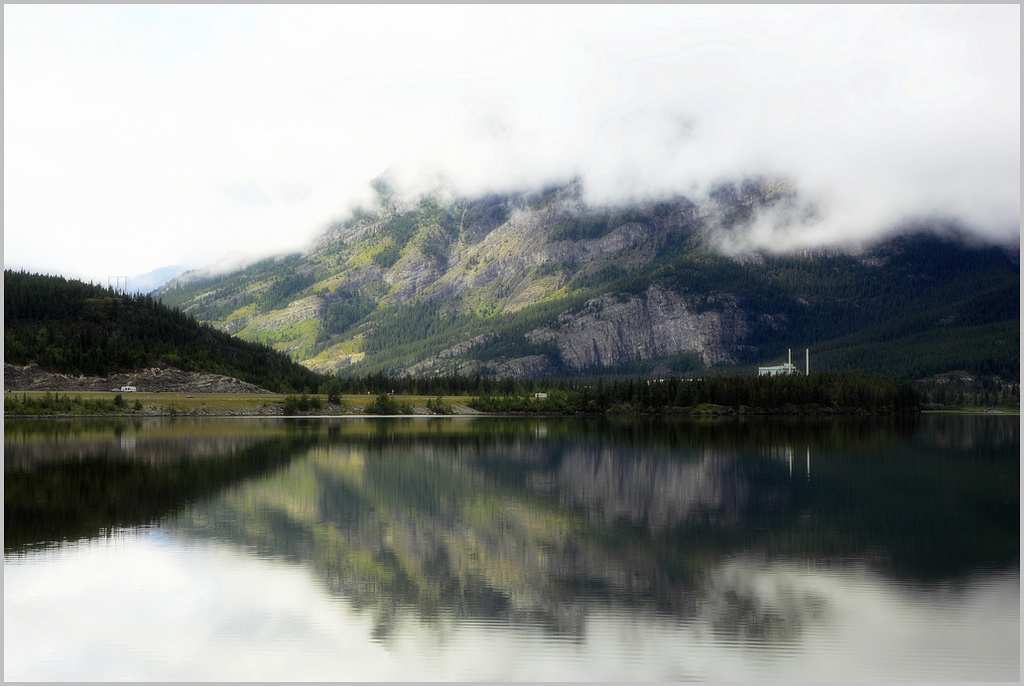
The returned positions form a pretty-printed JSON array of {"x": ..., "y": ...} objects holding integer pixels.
[
  {"x": 793, "y": 394},
  {"x": 834, "y": 393},
  {"x": 69, "y": 326}
]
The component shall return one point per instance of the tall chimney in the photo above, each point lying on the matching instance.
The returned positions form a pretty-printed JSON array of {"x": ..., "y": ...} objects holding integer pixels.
[
  {"x": 790, "y": 363},
  {"x": 807, "y": 361}
]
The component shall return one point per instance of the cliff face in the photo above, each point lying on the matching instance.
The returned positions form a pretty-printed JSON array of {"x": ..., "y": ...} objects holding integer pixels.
[{"x": 613, "y": 329}]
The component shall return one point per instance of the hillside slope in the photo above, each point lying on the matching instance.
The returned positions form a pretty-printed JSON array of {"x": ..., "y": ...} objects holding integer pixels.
[
  {"x": 66, "y": 326},
  {"x": 541, "y": 284}
]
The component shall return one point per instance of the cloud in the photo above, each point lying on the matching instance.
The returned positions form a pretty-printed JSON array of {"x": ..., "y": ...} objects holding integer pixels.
[{"x": 140, "y": 136}]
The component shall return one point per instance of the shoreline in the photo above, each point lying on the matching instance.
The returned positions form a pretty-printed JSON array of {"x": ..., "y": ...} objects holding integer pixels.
[
  {"x": 464, "y": 411},
  {"x": 274, "y": 405}
]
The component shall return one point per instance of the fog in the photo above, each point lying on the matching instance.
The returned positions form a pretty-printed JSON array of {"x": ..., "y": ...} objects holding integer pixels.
[{"x": 137, "y": 137}]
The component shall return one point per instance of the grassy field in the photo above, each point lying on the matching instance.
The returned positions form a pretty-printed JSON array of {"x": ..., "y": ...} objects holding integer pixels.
[{"x": 233, "y": 403}]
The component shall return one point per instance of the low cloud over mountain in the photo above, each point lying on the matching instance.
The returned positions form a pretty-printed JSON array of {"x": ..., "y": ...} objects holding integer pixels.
[{"x": 150, "y": 135}]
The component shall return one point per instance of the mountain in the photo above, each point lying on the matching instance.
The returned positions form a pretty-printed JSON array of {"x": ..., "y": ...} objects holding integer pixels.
[
  {"x": 152, "y": 280},
  {"x": 65, "y": 326},
  {"x": 540, "y": 284}
]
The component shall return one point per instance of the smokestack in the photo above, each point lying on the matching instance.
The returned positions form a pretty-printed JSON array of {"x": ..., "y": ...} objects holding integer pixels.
[
  {"x": 790, "y": 357},
  {"x": 807, "y": 362}
]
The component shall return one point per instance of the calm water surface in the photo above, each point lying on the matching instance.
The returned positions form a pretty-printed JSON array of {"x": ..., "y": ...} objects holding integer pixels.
[{"x": 512, "y": 549}]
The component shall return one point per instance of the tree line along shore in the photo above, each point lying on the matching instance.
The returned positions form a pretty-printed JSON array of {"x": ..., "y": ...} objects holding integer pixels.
[{"x": 816, "y": 394}]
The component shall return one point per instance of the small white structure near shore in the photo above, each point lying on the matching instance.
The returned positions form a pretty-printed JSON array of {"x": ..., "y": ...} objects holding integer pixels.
[{"x": 788, "y": 367}]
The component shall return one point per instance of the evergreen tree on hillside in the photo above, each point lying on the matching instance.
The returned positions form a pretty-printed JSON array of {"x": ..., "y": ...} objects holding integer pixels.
[{"x": 72, "y": 327}]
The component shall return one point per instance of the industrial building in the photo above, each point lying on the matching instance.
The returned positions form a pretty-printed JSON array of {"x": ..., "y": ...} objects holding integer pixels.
[{"x": 788, "y": 367}]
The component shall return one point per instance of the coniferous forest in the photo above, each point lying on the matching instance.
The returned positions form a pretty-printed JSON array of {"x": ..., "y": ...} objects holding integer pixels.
[{"x": 68, "y": 326}]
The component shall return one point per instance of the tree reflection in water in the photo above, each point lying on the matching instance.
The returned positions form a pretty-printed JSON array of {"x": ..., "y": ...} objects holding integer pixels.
[{"x": 543, "y": 521}]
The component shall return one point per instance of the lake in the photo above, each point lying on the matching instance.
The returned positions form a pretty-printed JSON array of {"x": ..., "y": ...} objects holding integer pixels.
[{"x": 483, "y": 548}]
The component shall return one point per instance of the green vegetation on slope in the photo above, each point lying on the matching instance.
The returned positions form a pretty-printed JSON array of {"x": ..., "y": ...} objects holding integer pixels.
[
  {"x": 392, "y": 289},
  {"x": 72, "y": 327}
]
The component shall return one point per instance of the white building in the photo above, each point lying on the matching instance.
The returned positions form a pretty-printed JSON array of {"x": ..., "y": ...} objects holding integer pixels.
[{"x": 787, "y": 368}]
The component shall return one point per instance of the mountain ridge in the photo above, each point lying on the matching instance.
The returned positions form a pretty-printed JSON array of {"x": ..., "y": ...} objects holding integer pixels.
[{"x": 541, "y": 284}]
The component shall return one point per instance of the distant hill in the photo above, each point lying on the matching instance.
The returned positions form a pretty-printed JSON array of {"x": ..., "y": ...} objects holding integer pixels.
[
  {"x": 540, "y": 284},
  {"x": 151, "y": 280},
  {"x": 73, "y": 327}
]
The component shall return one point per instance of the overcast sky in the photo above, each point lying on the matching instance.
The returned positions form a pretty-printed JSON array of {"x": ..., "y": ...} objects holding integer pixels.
[{"x": 142, "y": 136}]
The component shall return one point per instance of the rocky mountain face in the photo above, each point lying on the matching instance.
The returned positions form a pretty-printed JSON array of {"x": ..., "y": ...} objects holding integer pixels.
[
  {"x": 540, "y": 284},
  {"x": 657, "y": 323}
]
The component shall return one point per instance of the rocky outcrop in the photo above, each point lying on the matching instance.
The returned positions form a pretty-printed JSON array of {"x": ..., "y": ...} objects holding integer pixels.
[
  {"x": 501, "y": 266},
  {"x": 413, "y": 274},
  {"x": 522, "y": 367},
  {"x": 296, "y": 311},
  {"x": 444, "y": 360},
  {"x": 613, "y": 328},
  {"x": 158, "y": 379}
]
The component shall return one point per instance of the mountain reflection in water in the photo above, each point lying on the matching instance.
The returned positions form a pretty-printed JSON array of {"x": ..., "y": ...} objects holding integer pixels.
[{"x": 550, "y": 522}]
